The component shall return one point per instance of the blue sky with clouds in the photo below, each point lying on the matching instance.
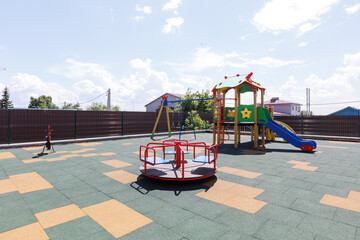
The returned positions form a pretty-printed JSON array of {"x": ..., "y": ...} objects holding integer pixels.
[{"x": 76, "y": 50}]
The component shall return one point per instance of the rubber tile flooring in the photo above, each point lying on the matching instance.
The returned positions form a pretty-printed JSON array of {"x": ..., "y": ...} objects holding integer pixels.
[{"x": 96, "y": 191}]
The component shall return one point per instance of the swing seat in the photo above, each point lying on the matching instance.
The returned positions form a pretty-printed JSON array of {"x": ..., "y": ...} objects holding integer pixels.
[
  {"x": 203, "y": 159},
  {"x": 158, "y": 160},
  {"x": 174, "y": 152}
]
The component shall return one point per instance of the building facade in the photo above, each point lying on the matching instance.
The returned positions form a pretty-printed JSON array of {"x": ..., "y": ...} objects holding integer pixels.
[
  {"x": 284, "y": 108},
  {"x": 155, "y": 105}
]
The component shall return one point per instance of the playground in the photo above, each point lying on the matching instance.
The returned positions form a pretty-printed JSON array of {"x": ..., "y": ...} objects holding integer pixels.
[{"x": 95, "y": 190}]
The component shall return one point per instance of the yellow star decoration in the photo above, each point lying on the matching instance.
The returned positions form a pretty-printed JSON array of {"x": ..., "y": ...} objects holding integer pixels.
[
  {"x": 245, "y": 113},
  {"x": 231, "y": 113}
]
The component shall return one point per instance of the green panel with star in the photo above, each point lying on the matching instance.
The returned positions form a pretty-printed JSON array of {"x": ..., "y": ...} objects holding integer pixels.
[
  {"x": 246, "y": 113},
  {"x": 230, "y": 114}
]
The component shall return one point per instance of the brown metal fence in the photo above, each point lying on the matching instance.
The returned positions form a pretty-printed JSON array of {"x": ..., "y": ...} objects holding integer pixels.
[{"x": 27, "y": 125}]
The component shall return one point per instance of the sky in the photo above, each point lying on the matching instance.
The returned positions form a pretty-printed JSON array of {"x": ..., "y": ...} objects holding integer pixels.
[{"x": 74, "y": 51}]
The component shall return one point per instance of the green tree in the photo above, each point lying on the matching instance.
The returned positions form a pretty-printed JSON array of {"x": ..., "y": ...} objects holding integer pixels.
[
  {"x": 42, "y": 102},
  {"x": 5, "y": 102},
  {"x": 101, "y": 107},
  {"x": 75, "y": 106},
  {"x": 198, "y": 122},
  {"x": 203, "y": 106}
]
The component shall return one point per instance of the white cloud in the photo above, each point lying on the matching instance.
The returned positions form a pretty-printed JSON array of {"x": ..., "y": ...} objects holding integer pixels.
[
  {"x": 23, "y": 86},
  {"x": 342, "y": 86},
  {"x": 204, "y": 58},
  {"x": 280, "y": 15},
  {"x": 172, "y": 24},
  {"x": 353, "y": 9},
  {"x": 138, "y": 18},
  {"x": 303, "y": 44},
  {"x": 144, "y": 9},
  {"x": 306, "y": 28},
  {"x": 171, "y": 5}
]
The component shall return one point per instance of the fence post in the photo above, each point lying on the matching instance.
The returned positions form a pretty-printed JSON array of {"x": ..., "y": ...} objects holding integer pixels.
[
  {"x": 9, "y": 133},
  {"x": 302, "y": 125},
  {"x": 122, "y": 123},
  {"x": 359, "y": 123},
  {"x": 75, "y": 124}
]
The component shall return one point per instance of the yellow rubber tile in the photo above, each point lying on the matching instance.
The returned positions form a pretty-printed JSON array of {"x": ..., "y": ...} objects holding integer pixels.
[
  {"x": 89, "y": 144},
  {"x": 58, "y": 216},
  {"x": 83, "y": 150},
  {"x": 239, "y": 172},
  {"x": 55, "y": 159},
  {"x": 116, "y": 163},
  {"x": 29, "y": 182},
  {"x": 346, "y": 203},
  {"x": 298, "y": 162},
  {"x": 336, "y": 147},
  {"x": 70, "y": 155},
  {"x": 318, "y": 152},
  {"x": 305, "y": 167},
  {"x": 107, "y": 154},
  {"x": 34, "y": 160},
  {"x": 60, "y": 152},
  {"x": 32, "y": 148},
  {"x": 245, "y": 204},
  {"x": 354, "y": 195},
  {"x": 29, "y": 232},
  {"x": 122, "y": 176},
  {"x": 126, "y": 144},
  {"x": 6, "y": 186},
  {"x": 233, "y": 195},
  {"x": 6, "y": 155},
  {"x": 116, "y": 218},
  {"x": 89, "y": 155},
  {"x": 150, "y": 153}
]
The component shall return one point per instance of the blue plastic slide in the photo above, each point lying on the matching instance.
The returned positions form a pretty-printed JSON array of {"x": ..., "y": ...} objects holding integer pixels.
[{"x": 305, "y": 145}]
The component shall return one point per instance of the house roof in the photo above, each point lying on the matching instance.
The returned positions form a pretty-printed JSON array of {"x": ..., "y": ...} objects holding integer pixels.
[
  {"x": 279, "y": 102},
  {"x": 345, "y": 109},
  {"x": 177, "y": 95}
]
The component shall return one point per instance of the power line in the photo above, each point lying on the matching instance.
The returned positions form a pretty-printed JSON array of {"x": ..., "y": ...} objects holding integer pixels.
[
  {"x": 94, "y": 98},
  {"x": 318, "y": 104}
]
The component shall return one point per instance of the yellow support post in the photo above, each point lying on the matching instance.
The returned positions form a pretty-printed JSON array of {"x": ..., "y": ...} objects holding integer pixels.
[
  {"x": 263, "y": 127},
  {"x": 164, "y": 102},
  {"x": 256, "y": 128},
  {"x": 236, "y": 119},
  {"x": 168, "y": 120}
]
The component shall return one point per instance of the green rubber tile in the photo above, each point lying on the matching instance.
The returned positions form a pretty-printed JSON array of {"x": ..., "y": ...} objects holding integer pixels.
[
  {"x": 76, "y": 229},
  {"x": 71, "y": 183},
  {"x": 241, "y": 221},
  {"x": 340, "y": 192},
  {"x": 270, "y": 179},
  {"x": 10, "y": 197},
  {"x": 234, "y": 235},
  {"x": 357, "y": 237},
  {"x": 11, "y": 205},
  {"x": 41, "y": 195},
  {"x": 17, "y": 170},
  {"x": 200, "y": 228},
  {"x": 314, "y": 208},
  {"x": 319, "y": 237},
  {"x": 152, "y": 231},
  {"x": 16, "y": 218},
  {"x": 277, "y": 188},
  {"x": 101, "y": 235},
  {"x": 207, "y": 209},
  {"x": 80, "y": 171},
  {"x": 272, "y": 230},
  {"x": 78, "y": 190},
  {"x": 112, "y": 187},
  {"x": 319, "y": 178},
  {"x": 127, "y": 195},
  {"x": 327, "y": 228},
  {"x": 48, "y": 204},
  {"x": 347, "y": 186},
  {"x": 86, "y": 200},
  {"x": 170, "y": 216},
  {"x": 348, "y": 217},
  {"x": 341, "y": 178},
  {"x": 304, "y": 194},
  {"x": 147, "y": 204},
  {"x": 275, "y": 198},
  {"x": 299, "y": 184},
  {"x": 281, "y": 214}
]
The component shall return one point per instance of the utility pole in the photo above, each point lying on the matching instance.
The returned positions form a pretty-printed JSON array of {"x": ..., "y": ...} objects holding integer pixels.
[
  {"x": 307, "y": 101},
  {"x": 108, "y": 107}
]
